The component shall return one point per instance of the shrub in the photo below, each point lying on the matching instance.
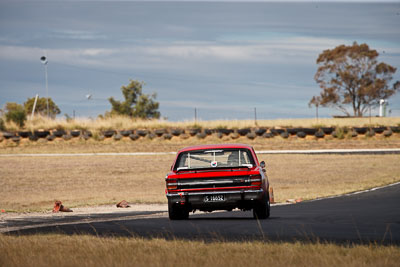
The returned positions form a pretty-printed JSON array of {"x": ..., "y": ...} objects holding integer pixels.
[
  {"x": 2, "y": 126},
  {"x": 15, "y": 113}
]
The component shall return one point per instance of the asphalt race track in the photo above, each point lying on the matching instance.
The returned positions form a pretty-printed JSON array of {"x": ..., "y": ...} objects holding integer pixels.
[{"x": 372, "y": 216}]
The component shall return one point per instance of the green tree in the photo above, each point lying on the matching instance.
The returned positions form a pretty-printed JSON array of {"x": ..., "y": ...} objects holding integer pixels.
[
  {"x": 41, "y": 106},
  {"x": 136, "y": 103},
  {"x": 352, "y": 76},
  {"x": 146, "y": 107},
  {"x": 16, "y": 113}
]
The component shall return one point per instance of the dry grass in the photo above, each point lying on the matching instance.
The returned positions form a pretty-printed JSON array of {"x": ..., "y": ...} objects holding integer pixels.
[
  {"x": 120, "y": 123},
  {"x": 60, "y": 250},
  {"x": 78, "y": 145},
  {"x": 34, "y": 183}
]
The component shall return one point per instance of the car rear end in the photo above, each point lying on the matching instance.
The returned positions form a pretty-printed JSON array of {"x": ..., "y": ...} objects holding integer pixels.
[{"x": 220, "y": 177}]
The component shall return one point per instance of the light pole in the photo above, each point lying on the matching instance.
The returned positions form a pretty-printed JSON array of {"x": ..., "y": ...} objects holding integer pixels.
[{"x": 44, "y": 61}]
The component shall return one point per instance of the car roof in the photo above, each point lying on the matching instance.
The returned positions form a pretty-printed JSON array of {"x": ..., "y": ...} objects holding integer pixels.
[{"x": 215, "y": 146}]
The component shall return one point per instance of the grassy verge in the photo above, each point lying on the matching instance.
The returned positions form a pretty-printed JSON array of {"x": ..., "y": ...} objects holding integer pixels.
[
  {"x": 32, "y": 184},
  {"x": 60, "y": 250}
]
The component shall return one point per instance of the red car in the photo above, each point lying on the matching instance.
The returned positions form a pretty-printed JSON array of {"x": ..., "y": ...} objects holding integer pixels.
[{"x": 217, "y": 177}]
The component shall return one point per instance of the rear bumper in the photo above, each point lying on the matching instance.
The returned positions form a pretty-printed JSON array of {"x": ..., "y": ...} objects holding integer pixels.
[{"x": 233, "y": 199}]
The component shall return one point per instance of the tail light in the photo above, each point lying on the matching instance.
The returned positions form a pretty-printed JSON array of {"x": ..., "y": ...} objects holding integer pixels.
[
  {"x": 172, "y": 184},
  {"x": 255, "y": 180}
]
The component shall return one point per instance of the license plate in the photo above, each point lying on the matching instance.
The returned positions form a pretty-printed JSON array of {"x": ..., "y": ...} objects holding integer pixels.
[{"x": 214, "y": 198}]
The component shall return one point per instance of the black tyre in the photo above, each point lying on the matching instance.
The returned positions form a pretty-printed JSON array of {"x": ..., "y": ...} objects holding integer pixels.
[
  {"x": 243, "y": 131},
  {"x": 201, "y": 135},
  {"x": 301, "y": 134},
  {"x": 177, "y": 212},
  {"x": 261, "y": 209},
  {"x": 251, "y": 135}
]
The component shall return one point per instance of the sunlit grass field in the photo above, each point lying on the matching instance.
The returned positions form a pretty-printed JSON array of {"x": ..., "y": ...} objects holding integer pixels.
[{"x": 33, "y": 183}]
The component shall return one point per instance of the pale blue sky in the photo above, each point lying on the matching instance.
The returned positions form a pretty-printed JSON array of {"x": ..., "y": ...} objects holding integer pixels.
[{"x": 223, "y": 58}]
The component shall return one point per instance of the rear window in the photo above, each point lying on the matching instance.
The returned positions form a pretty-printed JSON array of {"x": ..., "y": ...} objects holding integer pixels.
[{"x": 214, "y": 158}]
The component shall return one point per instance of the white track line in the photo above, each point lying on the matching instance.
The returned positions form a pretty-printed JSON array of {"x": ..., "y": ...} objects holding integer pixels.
[
  {"x": 309, "y": 152},
  {"x": 354, "y": 193},
  {"x": 88, "y": 154},
  {"x": 333, "y": 151}
]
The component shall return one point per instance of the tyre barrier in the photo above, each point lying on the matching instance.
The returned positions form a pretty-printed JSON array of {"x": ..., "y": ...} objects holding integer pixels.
[
  {"x": 58, "y": 133},
  {"x": 67, "y": 137},
  {"x": 292, "y": 131},
  {"x": 327, "y": 130},
  {"x": 387, "y": 133},
  {"x": 301, "y": 134},
  {"x": 218, "y": 135},
  {"x": 160, "y": 132},
  {"x": 16, "y": 139},
  {"x": 309, "y": 131},
  {"x": 125, "y": 133},
  {"x": 370, "y": 133},
  {"x": 201, "y": 135},
  {"x": 361, "y": 130},
  {"x": 109, "y": 133},
  {"x": 268, "y": 135},
  {"x": 117, "y": 137},
  {"x": 85, "y": 136},
  {"x": 177, "y": 132},
  {"x": 243, "y": 131},
  {"x": 75, "y": 133},
  {"x": 353, "y": 133},
  {"x": 285, "y": 135},
  {"x": 33, "y": 138},
  {"x": 235, "y": 135},
  {"x": 209, "y": 131},
  {"x": 223, "y": 131},
  {"x": 142, "y": 133},
  {"x": 379, "y": 130},
  {"x": 260, "y": 131},
  {"x": 395, "y": 129},
  {"x": 167, "y": 136},
  {"x": 276, "y": 132},
  {"x": 320, "y": 134},
  {"x": 24, "y": 134},
  {"x": 151, "y": 136},
  {"x": 50, "y": 137},
  {"x": 41, "y": 134},
  {"x": 184, "y": 136},
  {"x": 193, "y": 131},
  {"x": 251, "y": 135},
  {"x": 134, "y": 136},
  {"x": 8, "y": 135}
]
